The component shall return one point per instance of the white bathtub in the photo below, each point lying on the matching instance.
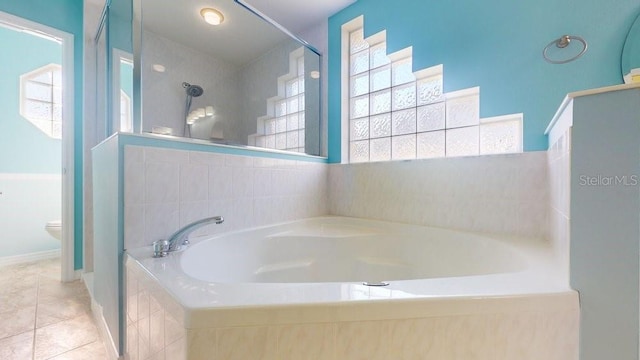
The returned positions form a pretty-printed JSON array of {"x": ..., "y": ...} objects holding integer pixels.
[{"x": 308, "y": 276}]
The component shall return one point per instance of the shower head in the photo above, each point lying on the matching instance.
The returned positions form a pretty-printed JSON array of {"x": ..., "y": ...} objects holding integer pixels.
[{"x": 192, "y": 90}]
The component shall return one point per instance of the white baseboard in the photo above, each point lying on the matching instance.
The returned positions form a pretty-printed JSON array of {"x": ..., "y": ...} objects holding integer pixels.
[
  {"x": 19, "y": 259},
  {"x": 105, "y": 335},
  {"x": 87, "y": 279}
]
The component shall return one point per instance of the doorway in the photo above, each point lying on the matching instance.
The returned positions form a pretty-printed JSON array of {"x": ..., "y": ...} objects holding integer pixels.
[{"x": 37, "y": 145}]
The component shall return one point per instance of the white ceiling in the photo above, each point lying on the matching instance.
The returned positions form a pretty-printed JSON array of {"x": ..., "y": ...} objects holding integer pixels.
[
  {"x": 240, "y": 38},
  {"x": 296, "y": 15},
  {"x": 243, "y": 36}
]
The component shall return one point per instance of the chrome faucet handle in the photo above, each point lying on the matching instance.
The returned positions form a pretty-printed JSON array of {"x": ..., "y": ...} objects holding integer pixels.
[{"x": 161, "y": 248}]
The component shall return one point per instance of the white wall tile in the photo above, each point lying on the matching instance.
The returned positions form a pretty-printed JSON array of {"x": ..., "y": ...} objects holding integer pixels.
[
  {"x": 263, "y": 182},
  {"x": 194, "y": 182},
  {"x": 366, "y": 340},
  {"x": 177, "y": 350},
  {"x": 414, "y": 338},
  {"x": 220, "y": 182},
  {"x": 194, "y": 211},
  {"x": 173, "y": 329},
  {"x": 134, "y": 184},
  {"x": 242, "y": 180},
  {"x": 162, "y": 182},
  {"x": 160, "y": 221},
  {"x": 241, "y": 216},
  {"x": 238, "y": 161},
  {"x": 156, "y": 332},
  {"x": 132, "y": 342},
  {"x": 192, "y": 185},
  {"x": 134, "y": 153},
  {"x": 134, "y": 230},
  {"x": 558, "y": 174},
  {"x": 301, "y": 341},
  {"x": 209, "y": 159},
  {"x": 245, "y": 343},
  {"x": 263, "y": 211},
  {"x": 202, "y": 344},
  {"x": 144, "y": 335},
  {"x": 165, "y": 156},
  {"x": 499, "y": 193},
  {"x": 222, "y": 208}
]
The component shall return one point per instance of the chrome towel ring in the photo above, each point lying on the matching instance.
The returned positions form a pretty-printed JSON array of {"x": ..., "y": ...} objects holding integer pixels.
[{"x": 562, "y": 43}]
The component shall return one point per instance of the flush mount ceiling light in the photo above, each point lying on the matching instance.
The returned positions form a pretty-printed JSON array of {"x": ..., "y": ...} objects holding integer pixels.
[{"x": 212, "y": 16}]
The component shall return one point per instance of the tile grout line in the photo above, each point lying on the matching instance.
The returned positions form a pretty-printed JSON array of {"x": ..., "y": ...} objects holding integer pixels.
[{"x": 35, "y": 319}]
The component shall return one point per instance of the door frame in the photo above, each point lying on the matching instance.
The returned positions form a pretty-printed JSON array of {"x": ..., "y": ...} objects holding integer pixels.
[{"x": 68, "y": 273}]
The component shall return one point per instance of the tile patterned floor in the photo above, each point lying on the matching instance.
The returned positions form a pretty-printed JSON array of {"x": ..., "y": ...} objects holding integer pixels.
[{"x": 43, "y": 318}]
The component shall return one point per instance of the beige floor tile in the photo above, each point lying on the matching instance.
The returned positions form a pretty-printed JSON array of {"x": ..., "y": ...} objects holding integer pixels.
[
  {"x": 26, "y": 269},
  {"x": 32, "y": 294},
  {"x": 18, "y": 347},
  {"x": 66, "y": 335},
  {"x": 17, "y": 321},
  {"x": 18, "y": 299},
  {"x": 50, "y": 289},
  {"x": 62, "y": 309},
  {"x": 51, "y": 272},
  {"x": 17, "y": 283},
  {"x": 93, "y": 351}
]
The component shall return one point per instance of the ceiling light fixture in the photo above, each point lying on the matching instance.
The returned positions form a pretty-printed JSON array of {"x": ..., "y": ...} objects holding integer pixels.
[{"x": 212, "y": 16}]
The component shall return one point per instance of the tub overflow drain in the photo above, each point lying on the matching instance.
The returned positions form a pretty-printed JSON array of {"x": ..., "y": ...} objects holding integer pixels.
[{"x": 375, "y": 283}]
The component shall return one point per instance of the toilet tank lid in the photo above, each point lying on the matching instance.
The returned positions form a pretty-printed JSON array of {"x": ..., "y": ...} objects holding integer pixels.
[{"x": 54, "y": 223}]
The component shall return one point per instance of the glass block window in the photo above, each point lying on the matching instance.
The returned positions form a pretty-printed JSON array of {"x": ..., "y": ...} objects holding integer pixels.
[
  {"x": 283, "y": 128},
  {"x": 41, "y": 99},
  {"x": 398, "y": 114}
]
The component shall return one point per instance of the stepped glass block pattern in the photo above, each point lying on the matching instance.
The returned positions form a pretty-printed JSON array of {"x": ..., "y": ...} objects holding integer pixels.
[
  {"x": 283, "y": 127},
  {"x": 396, "y": 113}
]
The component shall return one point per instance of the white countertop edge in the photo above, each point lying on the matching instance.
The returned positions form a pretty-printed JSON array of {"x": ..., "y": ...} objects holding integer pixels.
[{"x": 572, "y": 95}]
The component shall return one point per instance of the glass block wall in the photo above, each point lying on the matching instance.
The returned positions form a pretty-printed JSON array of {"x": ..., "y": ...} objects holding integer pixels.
[
  {"x": 398, "y": 114},
  {"x": 283, "y": 127},
  {"x": 41, "y": 99}
]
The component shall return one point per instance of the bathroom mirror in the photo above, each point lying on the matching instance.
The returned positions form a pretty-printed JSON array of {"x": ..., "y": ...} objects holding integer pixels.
[
  {"x": 243, "y": 82},
  {"x": 630, "y": 62}
]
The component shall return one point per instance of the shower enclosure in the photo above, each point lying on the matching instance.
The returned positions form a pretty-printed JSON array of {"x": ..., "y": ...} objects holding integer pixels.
[{"x": 258, "y": 85}]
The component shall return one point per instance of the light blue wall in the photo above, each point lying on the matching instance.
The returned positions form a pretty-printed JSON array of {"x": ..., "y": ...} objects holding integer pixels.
[
  {"x": 23, "y": 147},
  {"x": 497, "y": 45},
  {"x": 65, "y": 15}
]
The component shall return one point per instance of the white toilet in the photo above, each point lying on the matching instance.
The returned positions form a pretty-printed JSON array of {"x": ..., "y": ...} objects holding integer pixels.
[{"x": 54, "y": 228}]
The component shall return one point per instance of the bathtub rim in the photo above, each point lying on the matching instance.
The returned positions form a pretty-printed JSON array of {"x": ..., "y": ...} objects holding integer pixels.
[
  {"x": 556, "y": 294},
  {"x": 350, "y": 311}
]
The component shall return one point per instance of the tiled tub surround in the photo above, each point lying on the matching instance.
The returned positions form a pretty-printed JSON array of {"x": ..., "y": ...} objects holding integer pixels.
[
  {"x": 165, "y": 189},
  {"x": 559, "y": 169},
  {"x": 502, "y": 194},
  {"x": 509, "y": 315}
]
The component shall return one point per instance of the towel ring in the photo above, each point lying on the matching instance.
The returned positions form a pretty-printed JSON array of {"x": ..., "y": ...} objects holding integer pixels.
[{"x": 562, "y": 43}]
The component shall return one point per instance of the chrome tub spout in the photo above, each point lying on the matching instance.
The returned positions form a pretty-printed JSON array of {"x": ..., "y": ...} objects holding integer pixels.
[{"x": 180, "y": 238}]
